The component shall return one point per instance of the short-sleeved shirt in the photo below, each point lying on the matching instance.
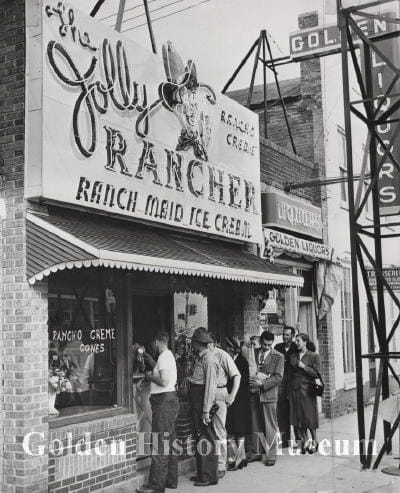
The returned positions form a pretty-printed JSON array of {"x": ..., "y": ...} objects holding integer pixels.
[
  {"x": 205, "y": 371},
  {"x": 165, "y": 362},
  {"x": 227, "y": 367}
]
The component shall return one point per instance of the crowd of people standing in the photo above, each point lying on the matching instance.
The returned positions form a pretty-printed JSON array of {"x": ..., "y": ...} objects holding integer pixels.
[{"x": 245, "y": 401}]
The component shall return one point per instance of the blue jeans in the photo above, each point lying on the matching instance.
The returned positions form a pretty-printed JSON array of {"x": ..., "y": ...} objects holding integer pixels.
[{"x": 164, "y": 463}]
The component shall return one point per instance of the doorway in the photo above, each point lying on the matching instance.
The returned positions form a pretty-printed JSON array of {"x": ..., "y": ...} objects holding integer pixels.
[
  {"x": 150, "y": 314},
  {"x": 306, "y": 319}
]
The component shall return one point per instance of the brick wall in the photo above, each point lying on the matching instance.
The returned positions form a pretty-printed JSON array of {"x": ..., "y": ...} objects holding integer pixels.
[
  {"x": 299, "y": 112},
  {"x": 280, "y": 166},
  {"x": 306, "y": 120},
  {"x": 24, "y": 313},
  {"x": 24, "y": 310},
  {"x": 245, "y": 314},
  {"x": 72, "y": 470}
]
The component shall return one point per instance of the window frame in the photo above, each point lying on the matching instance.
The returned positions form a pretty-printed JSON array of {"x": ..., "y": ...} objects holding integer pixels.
[
  {"x": 347, "y": 324},
  {"x": 124, "y": 401}
]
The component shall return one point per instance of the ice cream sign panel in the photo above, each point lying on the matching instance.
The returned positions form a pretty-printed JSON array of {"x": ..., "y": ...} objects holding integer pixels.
[{"x": 113, "y": 127}]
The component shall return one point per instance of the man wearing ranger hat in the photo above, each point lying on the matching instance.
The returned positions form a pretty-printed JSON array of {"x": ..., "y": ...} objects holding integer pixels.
[{"x": 203, "y": 387}]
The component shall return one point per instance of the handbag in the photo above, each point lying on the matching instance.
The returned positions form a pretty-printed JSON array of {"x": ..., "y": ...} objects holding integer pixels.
[{"x": 317, "y": 388}]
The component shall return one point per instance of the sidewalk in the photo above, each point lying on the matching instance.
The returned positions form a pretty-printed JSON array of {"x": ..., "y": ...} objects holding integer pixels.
[{"x": 333, "y": 473}]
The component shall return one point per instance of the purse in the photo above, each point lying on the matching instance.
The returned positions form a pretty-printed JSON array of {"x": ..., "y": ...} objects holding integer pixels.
[{"x": 317, "y": 388}]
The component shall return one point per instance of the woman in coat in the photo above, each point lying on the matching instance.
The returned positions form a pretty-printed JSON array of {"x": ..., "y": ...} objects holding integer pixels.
[
  {"x": 238, "y": 416},
  {"x": 304, "y": 369}
]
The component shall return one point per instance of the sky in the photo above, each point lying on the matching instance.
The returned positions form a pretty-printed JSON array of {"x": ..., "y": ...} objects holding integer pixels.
[{"x": 216, "y": 34}]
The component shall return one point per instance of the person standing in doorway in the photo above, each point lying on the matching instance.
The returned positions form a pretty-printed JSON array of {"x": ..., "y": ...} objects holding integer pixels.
[
  {"x": 164, "y": 408},
  {"x": 271, "y": 367},
  {"x": 287, "y": 347},
  {"x": 203, "y": 388}
]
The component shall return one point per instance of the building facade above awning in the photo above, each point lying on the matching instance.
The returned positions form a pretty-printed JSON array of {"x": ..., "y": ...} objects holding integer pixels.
[
  {"x": 74, "y": 240},
  {"x": 277, "y": 243}
]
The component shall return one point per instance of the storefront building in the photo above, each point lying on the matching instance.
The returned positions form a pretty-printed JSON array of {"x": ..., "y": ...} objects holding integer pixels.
[
  {"x": 293, "y": 238},
  {"x": 130, "y": 203},
  {"x": 314, "y": 105},
  {"x": 293, "y": 235}
]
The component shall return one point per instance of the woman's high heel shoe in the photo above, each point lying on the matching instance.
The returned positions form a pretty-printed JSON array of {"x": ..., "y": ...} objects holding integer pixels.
[{"x": 313, "y": 448}]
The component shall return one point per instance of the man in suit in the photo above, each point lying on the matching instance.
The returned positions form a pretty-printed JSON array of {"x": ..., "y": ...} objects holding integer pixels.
[
  {"x": 269, "y": 375},
  {"x": 287, "y": 347}
]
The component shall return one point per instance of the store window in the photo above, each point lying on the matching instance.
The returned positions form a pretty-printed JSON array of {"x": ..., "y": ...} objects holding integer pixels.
[
  {"x": 82, "y": 344},
  {"x": 347, "y": 323},
  {"x": 274, "y": 308}
]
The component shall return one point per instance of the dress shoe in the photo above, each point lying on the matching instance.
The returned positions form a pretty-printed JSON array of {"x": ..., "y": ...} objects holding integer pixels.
[
  {"x": 205, "y": 483},
  {"x": 195, "y": 477},
  {"x": 221, "y": 474},
  {"x": 270, "y": 462},
  {"x": 171, "y": 486},
  {"x": 254, "y": 458},
  {"x": 241, "y": 465},
  {"x": 147, "y": 489}
]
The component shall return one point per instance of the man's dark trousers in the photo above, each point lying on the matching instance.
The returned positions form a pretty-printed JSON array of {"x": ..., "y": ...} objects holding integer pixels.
[
  {"x": 164, "y": 463},
  {"x": 283, "y": 413},
  {"x": 206, "y": 438}
]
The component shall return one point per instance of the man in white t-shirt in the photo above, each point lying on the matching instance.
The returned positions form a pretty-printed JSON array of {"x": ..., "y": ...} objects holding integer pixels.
[{"x": 165, "y": 408}]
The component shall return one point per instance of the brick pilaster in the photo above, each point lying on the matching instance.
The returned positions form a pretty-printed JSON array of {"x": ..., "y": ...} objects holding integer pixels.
[
  {"x": 245, "y": 316},
  {"x": 311, "y": 83},
  {"x": 24, "y": 308}
]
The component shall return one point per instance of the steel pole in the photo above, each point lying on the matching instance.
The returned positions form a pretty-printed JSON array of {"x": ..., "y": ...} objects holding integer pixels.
[
  {"x": 342, "y": 22},
  {"x": 150, "y": 26}
]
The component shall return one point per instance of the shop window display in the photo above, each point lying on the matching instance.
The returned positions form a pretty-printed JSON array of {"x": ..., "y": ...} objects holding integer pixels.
[
  {"x": 190, "y": 312},
  {"x": 274, "y": 311},
  {"x": 82, "y": 348}
]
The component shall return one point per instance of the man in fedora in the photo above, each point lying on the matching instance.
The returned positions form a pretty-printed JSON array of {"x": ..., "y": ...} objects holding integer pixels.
[
  {"x": 228, "y": 374},
  {"x": 203, "y": 388}
]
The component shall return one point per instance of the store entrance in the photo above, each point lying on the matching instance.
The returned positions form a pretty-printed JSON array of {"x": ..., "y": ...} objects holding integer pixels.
[
  {"x": 150, "y": 313},
  {"x": 306, "y": 319}
]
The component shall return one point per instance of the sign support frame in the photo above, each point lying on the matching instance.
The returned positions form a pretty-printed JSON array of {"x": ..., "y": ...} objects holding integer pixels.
[{"x": 359, "y": 251}]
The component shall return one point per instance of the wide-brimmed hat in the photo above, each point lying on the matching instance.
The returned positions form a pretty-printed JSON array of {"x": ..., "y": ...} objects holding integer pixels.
[
  {"x": 202, "y": 335},
  {"x": 233, "y": 342}
]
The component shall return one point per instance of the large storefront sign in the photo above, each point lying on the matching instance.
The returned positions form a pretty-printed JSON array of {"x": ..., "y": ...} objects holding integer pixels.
[
  {"x": 277, "y": 242},
  {"x": 115, "y": 128},
  {"x": 326, "y": 39},
  {"x": 391, "y": 275},
  {"x": 292, "y": 214},
  {"x": 382, "y": 77}
]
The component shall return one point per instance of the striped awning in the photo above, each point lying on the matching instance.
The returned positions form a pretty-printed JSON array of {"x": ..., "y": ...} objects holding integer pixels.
[{"x": 71, "y": 240}]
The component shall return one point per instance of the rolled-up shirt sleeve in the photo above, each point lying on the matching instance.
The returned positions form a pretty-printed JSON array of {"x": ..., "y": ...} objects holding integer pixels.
[
  {"x": 232, "y": 369},
  {"x": 210, "y": 367}
]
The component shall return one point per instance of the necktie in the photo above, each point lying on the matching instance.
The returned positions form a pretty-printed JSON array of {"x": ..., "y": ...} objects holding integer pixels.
[{"x": 261, "y": 360}]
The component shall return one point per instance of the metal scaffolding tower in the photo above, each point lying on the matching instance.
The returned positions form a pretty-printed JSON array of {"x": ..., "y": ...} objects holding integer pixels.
[{"x": 373, "y": 110}]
